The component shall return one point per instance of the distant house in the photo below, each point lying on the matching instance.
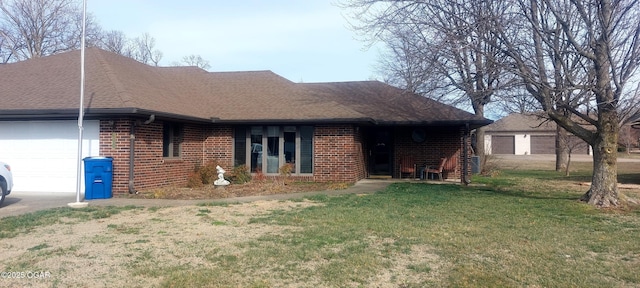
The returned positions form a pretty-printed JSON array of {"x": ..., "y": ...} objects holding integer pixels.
[
  {"x": 629, "y": 136},
  {"x": 524, "y": 134},
  {"x": 158, "y": 123}
]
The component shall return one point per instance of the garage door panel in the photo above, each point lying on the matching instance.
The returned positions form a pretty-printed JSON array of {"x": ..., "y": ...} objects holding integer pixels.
[
  {"x": 543, "y": 144},
  {"x": 43, "y": 154},
  {"x": 503, "y": 144}
]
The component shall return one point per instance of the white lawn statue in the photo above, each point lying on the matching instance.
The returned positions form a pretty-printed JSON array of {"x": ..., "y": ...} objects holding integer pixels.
[{"x": 220, "y": 181}]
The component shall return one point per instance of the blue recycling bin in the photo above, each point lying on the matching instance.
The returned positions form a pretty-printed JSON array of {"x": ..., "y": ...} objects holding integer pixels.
[{"x": 98, "y": 177}]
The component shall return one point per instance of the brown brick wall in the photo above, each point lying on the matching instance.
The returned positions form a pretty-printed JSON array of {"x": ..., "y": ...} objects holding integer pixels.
[
  {"x": 114, "y": 142},
  {"x": 151, "y": 169},
  {"x": 360, "y": 157},
  {"x": 218, "y": 145},
  {"x": 338, "y": 154},
  {"x": 440, "y": 142}
]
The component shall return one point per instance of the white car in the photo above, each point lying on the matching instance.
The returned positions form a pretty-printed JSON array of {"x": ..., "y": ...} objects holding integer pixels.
[{"x": 6, "y": 181}]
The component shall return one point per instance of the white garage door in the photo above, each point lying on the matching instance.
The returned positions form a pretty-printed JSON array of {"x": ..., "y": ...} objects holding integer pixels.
[{"x": 43, "y": 154}]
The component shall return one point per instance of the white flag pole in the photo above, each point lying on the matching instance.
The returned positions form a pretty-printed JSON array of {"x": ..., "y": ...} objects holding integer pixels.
[{"x": 78, "y": 203}]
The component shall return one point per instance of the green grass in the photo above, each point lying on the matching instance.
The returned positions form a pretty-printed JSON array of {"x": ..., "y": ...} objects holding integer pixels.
[
  {"x": 519, "y": 229},
  {"x": 500, "y": 235}
]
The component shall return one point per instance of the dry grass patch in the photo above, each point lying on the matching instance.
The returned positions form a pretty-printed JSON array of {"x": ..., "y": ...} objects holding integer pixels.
[
  {"x": 253, "y": 188},
  {"x": 121, "y": 251}
]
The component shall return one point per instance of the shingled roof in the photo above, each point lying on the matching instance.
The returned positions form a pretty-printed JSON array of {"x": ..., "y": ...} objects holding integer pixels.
[
  {"x": 386, "y": 104},
  {"x": 517, "y": 122},
  {"x": 49, "y": 87}
]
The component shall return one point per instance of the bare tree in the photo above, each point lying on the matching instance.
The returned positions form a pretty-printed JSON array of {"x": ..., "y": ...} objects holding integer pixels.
[
  {"x": 144, "y": 50},
  {"x": 571, "y": 143},
  {"x": 516, "y": 102},
  {"x": 35, "y": 28},
  {"x": 194, "y": 60},
  {"x": 117, "y": 42},
  {"x": 6, "y": 50},
  {"x": 438, "y": 48},
  {"x": 141, "y": 48},
  {"x": 602, "y": 40},
  {"x": 629, "y": 112},
  {"x": 627, "y": 138},
  {"x": 404, "y": 65}
]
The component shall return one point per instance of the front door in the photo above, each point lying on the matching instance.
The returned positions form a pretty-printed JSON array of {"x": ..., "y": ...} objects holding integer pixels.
[{"x": 380, "y": 152}]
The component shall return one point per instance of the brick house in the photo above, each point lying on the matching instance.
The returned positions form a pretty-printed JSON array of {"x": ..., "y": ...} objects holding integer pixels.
[{"x": 158, "y": 123}]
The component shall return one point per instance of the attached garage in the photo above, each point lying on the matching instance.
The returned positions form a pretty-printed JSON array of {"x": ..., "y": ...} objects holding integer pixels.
[
  {"x": 543, "y": 144},
  {"x": 503, "y": 144},
  {"x": 43, "y": 154}
]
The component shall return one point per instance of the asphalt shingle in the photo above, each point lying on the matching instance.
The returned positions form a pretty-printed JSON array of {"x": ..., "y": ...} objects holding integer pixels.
[
  {"x": 517, "y": 122},
  {"x": 117, "y": 83}
]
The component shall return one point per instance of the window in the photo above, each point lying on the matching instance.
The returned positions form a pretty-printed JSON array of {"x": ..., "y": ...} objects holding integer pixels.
[
  {"x": 267, "y": 148},
  {"x": 306, "y": 149},
  {"x": 239, "y": 146},
  {"x": 171, "y": 140},
  {"x": 289, "y": 138},
  {"x": 256, "y": 149}
]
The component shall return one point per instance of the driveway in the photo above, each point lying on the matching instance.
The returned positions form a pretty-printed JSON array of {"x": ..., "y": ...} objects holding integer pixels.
[{"x": 18, "y": 203}]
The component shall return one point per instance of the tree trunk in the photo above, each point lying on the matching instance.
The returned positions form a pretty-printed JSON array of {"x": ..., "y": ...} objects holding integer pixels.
[
  {"x": 566, "y": 168},
  {"x": 562, "y": 153},
  {"x": 604, "y": 182},
  {"x": 480, "y": 146}
]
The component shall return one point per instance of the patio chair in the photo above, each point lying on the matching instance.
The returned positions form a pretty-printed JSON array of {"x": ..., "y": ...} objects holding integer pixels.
[
  {"x": 407, "y": 166},
  {"x": 436, "y": 169}
]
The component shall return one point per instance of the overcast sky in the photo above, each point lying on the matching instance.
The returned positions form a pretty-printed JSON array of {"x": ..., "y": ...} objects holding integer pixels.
[{"x": 302, "y": 40}]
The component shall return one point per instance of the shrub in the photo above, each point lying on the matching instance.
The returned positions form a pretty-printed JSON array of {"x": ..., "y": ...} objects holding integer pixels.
[
  {"x": 194, "y": 180},
  {"x": 240, "y": 174},
  {"x": 202, "y": 175},
  {"x": 208, "y": 172},
  {"x": 260, "y": 176},
  {"x": 286, "y": 170},
  {"x": 490, "y": 166}
]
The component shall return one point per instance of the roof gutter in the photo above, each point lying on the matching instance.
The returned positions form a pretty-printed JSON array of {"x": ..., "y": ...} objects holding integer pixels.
[
  {"x": 132, "y": 156},
  {"x": 95, "y": 113},
  {"x": 92, "y": 113},
  {"x": 363, "y": 121}
]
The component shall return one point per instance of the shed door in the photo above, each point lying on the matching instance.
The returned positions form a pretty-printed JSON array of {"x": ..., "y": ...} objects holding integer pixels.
[
  {"x": 43, "y": 154},
  {"x": 543, "y": 144},
  {"x": 503, "y": 144}
]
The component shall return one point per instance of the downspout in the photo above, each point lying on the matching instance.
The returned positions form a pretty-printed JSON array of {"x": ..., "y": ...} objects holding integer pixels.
[
  {"x": 132, "y": 151},
  {"x": 465, "y": 152}
]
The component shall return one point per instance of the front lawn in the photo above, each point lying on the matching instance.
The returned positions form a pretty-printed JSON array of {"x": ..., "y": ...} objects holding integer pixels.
[{"x": 518, "y": 229}]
